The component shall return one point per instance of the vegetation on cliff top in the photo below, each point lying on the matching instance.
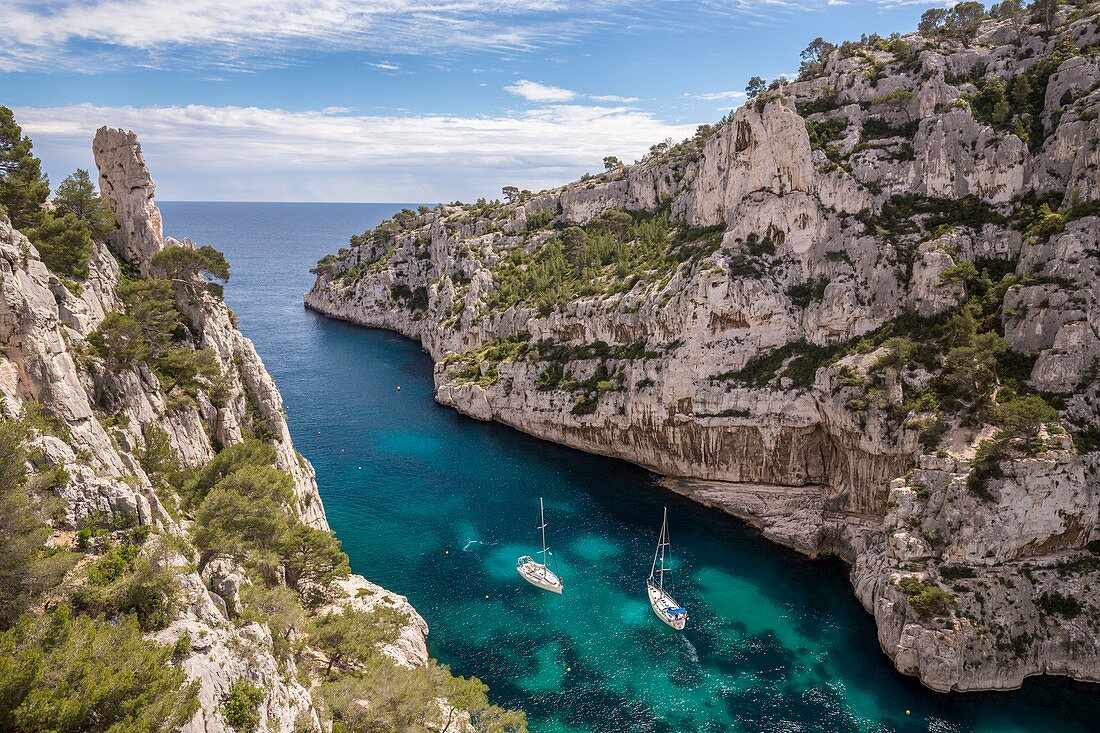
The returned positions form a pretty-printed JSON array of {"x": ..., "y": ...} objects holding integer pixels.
[
  {"x": 610, "y": 254},
  {"x": 63, "y": 235}
]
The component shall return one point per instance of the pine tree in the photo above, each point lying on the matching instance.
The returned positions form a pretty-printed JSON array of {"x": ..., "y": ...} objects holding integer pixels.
[
  {"x": 77, "y": 195},
  {"x": 23, "y": 187},
  {"x": 64, "y": 242}
]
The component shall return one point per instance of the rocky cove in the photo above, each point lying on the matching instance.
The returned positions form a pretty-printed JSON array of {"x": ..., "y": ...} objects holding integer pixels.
[{"x": 860, "y": 313}]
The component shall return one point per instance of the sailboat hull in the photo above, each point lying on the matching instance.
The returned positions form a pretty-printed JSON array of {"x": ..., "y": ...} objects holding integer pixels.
[
  {"x": 539, "y": 575},
  {"x": 662, "y": 603}
]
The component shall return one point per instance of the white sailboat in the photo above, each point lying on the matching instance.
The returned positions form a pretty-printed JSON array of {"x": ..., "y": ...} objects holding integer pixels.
[
  {"x": 660, "y": 600},
  {"x": 536, "y": 573}
]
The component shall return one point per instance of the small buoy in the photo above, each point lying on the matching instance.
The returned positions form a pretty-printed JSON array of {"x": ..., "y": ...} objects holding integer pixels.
[
  {"x": 907, "y": 711},
  {"x": 446, "y": 552},
  {"x": 486, "y": 597},
  {"x": 568, "y": 669},
  {"x": 399, "y": 388},
  {"x": 360, "y": 468}
]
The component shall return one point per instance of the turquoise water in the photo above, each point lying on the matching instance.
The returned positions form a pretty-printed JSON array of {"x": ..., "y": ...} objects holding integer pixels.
[{"x": 437, "y": 507}]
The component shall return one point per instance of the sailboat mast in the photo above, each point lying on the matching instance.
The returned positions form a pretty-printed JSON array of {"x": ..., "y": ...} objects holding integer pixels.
[
  {"x": 663, "y": 545},
  {"x": 542, "y": 526}
]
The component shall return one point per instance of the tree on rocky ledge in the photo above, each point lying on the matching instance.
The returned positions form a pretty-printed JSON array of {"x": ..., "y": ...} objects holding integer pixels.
[
  {"x": 23, "y": 187},
  {"x": 184, "y": 263},
  {"x": 77, "y": 195}
]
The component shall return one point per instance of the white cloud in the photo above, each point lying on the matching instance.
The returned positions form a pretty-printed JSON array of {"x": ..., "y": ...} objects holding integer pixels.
[
  {"x": 612, "y": 98},
  {"x": 714, "y": 96},
  {"x": 248, "y": 153},
  {"x": 90, "y": 35},
  {"x": 533, "y": 91},
  {"x": 385, "y": 65},
  {"x": 83, "y": 34}
]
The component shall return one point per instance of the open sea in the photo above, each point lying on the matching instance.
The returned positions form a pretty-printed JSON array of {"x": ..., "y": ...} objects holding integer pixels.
[{"x": 437, "y": 507}]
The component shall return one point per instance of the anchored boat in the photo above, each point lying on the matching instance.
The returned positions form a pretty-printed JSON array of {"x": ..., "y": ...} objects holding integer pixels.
[
  {"x": 660, "y": 600},
  {"x": 536, "y": 573}
]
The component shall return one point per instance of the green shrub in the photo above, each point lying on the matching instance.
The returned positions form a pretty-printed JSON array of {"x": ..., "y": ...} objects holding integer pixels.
[
  {"x": 480, "y": 365},
  {"x": 1022, "y": 417},
  {"x": 27, "y": 567},
  {"x": 185, "y": 263},
  {"x": 246, "y": 513},
  {"x": 119, "y": 341},
  {"x": 66, "y": 672},
  {"x": 312, "y": 558},
  {"x": 76, "y": 195},
  {"x": 986, "y": 467},
  {"x": 539, "y": 220},
  {"x": 802, "y": 294},
  {"x": 956, "y": 572},
  {"x": 1060, "y": 605},
  {"x": 609, "y": 254},
  {"x": 65, "y": 244},
  {"x": 123, "y": 582},
  {"x": 415, "y": 300},
  {"x": 925, "y": 598},
  {"x": 240, "y": 708},
  {"x": 353, "y": 636}
]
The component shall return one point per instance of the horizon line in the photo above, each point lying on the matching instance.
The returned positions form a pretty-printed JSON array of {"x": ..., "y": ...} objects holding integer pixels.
[{"x": 229, "y": 201}]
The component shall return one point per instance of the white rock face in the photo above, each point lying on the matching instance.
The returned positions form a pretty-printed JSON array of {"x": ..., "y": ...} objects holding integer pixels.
[
  {"x": 808, "y": 189},
  {"x": 42, "y": 326},
  {"x": 127, "y": 187}
]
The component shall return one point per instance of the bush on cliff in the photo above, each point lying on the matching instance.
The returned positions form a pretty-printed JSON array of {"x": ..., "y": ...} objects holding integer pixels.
[
  {"x": 65, "y": 244},
  {"x": 77, "y": 196},
  {"x": 241, "y": 706},
  {"x": 612, "y": 253},
  {"x": 153, "y": 331},
  {"x": 123, "y": 581},
  {"x": 27, "y": 566},
  {"x": 925, "y": 598},
  {"x": 185, "y": 263},
  {"x": 64, "y": 672}
]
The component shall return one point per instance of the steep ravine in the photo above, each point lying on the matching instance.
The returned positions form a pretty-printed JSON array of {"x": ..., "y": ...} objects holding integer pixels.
[{"x": 860, "y": 312}]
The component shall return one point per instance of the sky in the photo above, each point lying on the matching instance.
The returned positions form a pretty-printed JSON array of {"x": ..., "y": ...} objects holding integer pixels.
[{"x": 395, "y": 100}]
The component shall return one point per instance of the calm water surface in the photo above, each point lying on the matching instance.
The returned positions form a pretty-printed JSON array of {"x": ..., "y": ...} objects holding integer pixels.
[{"x": 437, "y": 507}]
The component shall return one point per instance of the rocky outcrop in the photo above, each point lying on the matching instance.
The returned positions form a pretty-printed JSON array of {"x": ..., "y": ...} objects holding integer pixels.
[
  {"x": 753, "y": 356},
  {"x": 98, "y": 421},
  {"x": 128, "y": 189}
]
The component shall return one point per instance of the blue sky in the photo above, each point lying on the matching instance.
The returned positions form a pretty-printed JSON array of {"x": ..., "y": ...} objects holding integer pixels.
[{"x": 395, "y": 100}]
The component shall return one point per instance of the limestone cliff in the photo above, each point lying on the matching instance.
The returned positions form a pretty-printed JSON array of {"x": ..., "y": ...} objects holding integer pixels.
[
  {"x": 101, "y": 422},
  {"x": 843, "y": 313}
]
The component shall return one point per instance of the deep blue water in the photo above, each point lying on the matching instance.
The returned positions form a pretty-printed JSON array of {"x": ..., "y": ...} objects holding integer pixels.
[{"x": 437, "y": 507}]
